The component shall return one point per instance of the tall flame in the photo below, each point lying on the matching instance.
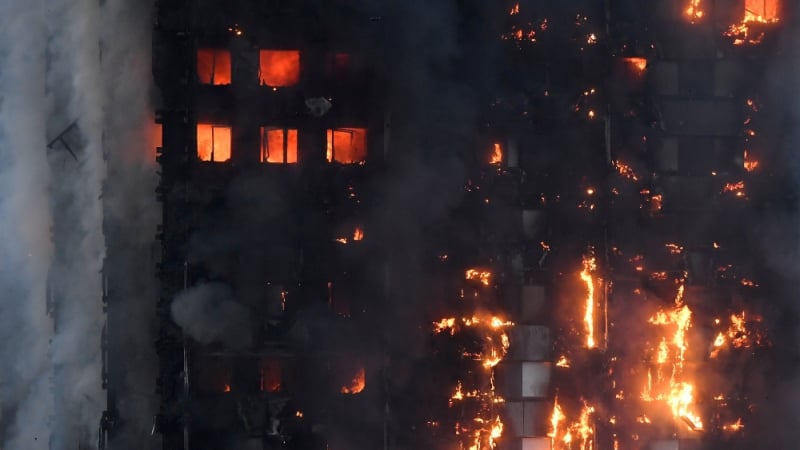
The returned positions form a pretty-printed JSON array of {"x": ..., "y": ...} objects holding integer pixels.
[{"x": 589, "y": 266}]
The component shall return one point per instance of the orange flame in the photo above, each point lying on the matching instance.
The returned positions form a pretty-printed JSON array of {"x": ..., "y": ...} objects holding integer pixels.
[
  {"x": 625, "y": 170},
  {"x": 750, "y": 164},
  {"x": 562, "y": 362},
  {"x": 484, "y": 276},
  {"x": 497, "y": 155},
  {"x": 638, "y": 64},
  {"x": 589, "y": 266},
  {"x": 357, "y": 384},
  {"x": 694, "y": 11},
  {"x": 358, "y": 234}
]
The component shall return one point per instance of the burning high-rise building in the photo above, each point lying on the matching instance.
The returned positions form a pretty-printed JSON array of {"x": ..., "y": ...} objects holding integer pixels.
[{"x": 448, "y": 225}]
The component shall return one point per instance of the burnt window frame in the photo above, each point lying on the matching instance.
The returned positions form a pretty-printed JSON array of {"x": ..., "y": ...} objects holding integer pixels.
[
  {"x": 214, "y": 51},
  {"x": 349, "y": 130},
  {"x": 213, "y": 142},
  {"x": 264, "y": 143}
]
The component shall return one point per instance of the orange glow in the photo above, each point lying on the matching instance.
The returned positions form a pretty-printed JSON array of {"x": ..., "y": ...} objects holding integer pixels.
[
  {"x": 227, "y": 388},
  {"x": 761, "y": 11},
  {"x": 625, "y": 170},
  {"x": 279, "y": 68},
  {"x": 563, "y": 435},
  {"x": 358, "y": 234},
  {"x": 637, "y": 64},
  {"x": 737, "y": 189},
  {"x": 562, "y": 362},
  {"x": 736, "y": 426},
  {"x": 347, "y": 145},
  {"x": 214, "y": 66},
  {"x": 484, "y": 276},
  {"x": 497, "y": 155},
  {"x": 514, "y": 10},
  {"x": 589, "y": 266},
  {"x": 750, "y": 164},
  {"x": 270, "y": 376},
  {"x": 694, "y": 10},
  {"x": 213, "y": 142},
  {"x": 357, "y": 384},
  {"x": 278, "y": 145}
]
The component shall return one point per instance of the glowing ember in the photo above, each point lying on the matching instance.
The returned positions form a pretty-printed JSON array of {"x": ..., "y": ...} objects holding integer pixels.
[
  {"x": 483, "y": 276},
  {"x": 358, "y": 234},
  {"x": 589, "y": 266},
  {"x": 625, "y": 170},
  {"x": 497, "y": 155},
  {"x": 357, "y": 384},
  {"x": 299, "y": 414},
  {"x": 736, "y": 426},
  {"x": 737, "y": 189},
  {"x": 514, "y": 10},
  {"x": 562, "y": 362},
  {"x": 226, "y": 388}
]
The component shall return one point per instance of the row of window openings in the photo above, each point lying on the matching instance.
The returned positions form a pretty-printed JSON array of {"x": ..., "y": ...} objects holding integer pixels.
[
  {"x": 276, "y": 68},
  {"x": 279, "y": 145}
]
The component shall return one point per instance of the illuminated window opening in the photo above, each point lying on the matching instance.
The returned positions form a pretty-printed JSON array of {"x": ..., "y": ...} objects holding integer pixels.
[
  {"x": 213, "y": 142},
  {"x": 347, "y": 145},
  {"x": 761, "y": 10},
  {"x": 278, "y": 145},
  {"x": 279, "y": 68},
  {"x": 214, "y": 66},
  {"x": 271, "y": 375}
]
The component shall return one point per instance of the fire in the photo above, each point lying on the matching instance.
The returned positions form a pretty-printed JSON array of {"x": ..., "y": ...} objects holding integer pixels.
[
  {"x": 347, "y": 145},
  {"x": 227, "y": 388},
  {"x": 694, "y": 11},
  {"x": 625, "y": 170},
  {"x": 483, "y": 276},
  {"x": 638, "y": 64},
  {"x": 750, "y": 164},
  {"x": 357, "y": 384},
  {"x": 589, "y": 266},
  {"x": 674, "y": 249},
  {"x": 278, "y": 145},
  {"x": 214, "y": 66},
  {"x": 279, "y": 68},
  {"x": 514, "y": 10},
  {"x": 562, "y": 435},
  {"x": 736, "y": 426},
  {"x": 358, "y": 234},
  {"x": 299, "y": 414},
  {"x": 737, "y": 335},
  {"x": 755, "y": 11},
  {"x": 497, "y": 155},
  {"x": 736, "y": 188},
  {"x": 562, "y": 362},
  {"x": 213, "y": 142}
]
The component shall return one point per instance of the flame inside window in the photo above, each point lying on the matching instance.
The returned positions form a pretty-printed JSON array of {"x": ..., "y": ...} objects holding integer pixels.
[
  {"x": 639, "y": 65},
  {"x": 347, "y": 145},
  {"x": 213, "y": 142},
  {"x": 357, "y": 384},
  {"x": 214, "y": 66},
  {"x": 761, "y": 10},
  {"x": 278, "y": 145},
  {"x": 279, "y": 68},
  {"x": 271, "y": 375}
]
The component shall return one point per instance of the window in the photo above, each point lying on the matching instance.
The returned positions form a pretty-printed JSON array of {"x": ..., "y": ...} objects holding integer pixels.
[
  {"x": 271, "y": 375},
  {"x": 338, "y": 63},
  {"x": 761, "y": 10},
  {"x": 279, "y": 68},
  {"x": 214, "y": 66},
  {"x": 278, "y": 145},
  {"x": 213, "y": 142},
  {"x": 347, "y": 145}
]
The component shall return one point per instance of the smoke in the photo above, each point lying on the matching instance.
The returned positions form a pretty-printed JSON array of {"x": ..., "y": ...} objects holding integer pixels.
[
  {"x": 26, "y": 250},
  {"x": 208, "y": 313},
  {"x": 62, "y": 65}
]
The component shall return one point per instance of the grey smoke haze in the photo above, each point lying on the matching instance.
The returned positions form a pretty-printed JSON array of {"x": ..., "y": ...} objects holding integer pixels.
[
  {"x": 208, "y": 313},
  {"x": 61, "y": 62}
]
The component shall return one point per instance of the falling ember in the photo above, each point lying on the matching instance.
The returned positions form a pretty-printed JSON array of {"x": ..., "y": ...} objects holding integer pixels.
[
  {"x": 357, "y": 384},
  {"x": 514, "y": 10},
  {"x": 483, "y": 276},
  {"x": 497, "y": 155},
  {"x": 562, "y": 362},
  {"x": 589, "y": 266},
  {"x": 299, "y": 414},
  {"x": 227, "y": 388},
  {"x": 736, "y": 426},
  {"x": 674, "y": 249}
]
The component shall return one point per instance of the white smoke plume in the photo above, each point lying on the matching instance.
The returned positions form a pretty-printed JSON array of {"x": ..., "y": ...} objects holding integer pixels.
[{"x": 62, "y": 62}]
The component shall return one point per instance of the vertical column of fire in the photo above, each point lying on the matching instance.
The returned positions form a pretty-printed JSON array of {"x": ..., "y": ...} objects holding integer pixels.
[{"x": 486, "y": 426}]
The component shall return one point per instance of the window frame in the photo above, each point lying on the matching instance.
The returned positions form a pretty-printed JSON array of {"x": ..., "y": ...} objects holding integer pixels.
[
  {"x": 214, "y": 143},
  {"x": 264, "y": 144}
]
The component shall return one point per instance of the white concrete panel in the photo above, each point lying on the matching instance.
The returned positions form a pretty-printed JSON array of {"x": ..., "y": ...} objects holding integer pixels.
[{"x": 530, "y": 343}]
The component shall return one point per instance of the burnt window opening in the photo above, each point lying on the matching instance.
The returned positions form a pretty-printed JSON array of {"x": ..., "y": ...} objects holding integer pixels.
[
  {"x": 761, "y": 10},
  {"x": 213, "y": 142},
  {"x": 347, "y": 145},
  {"x": 278, "y": 145},
  {"x": 212, "y": 375},
  {"x": 338, "y": 63},
  {"x": 279, "y": 68},
  {"x": 271, "y": 371},
  {"x": 214, "y": 66}
]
